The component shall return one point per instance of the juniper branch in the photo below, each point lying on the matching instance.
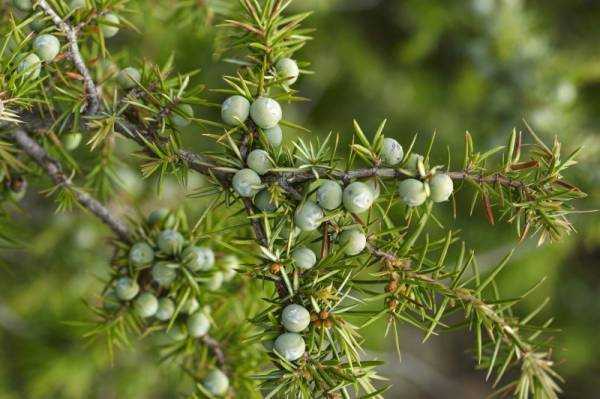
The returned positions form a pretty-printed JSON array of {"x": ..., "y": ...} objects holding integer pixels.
[{"x": 92, "y": 95}]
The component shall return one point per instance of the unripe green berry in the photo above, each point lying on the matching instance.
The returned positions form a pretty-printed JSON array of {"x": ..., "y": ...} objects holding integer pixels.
[
  {"x": 246, "y": 182},
  {"x": 288, "y": 69},
  {"x": 129, "y": 77},
  {"x": 353, "y": 241},
  {"x": 164, "y": 273},
  {"x": 290, "y": 346},
  {"x": 295, "y": 318},
  {"x": 182, "y": 121},
  {"x": 216, "y": 281},
  {"x": 216, "y": 382},
  {"x": 198, "y": 258},
  {"x": 391, "y": 152},
  {"x": 259, "y": 161},
  {"x": 126, "y": 288},
  {"x": 140, "y": 254},
  {"x": 110, "y": 301},
  {"x": 329, "y": 195},
  {"x": 157, "y": 216},
  {"x": 170, "y": 242},
  {"x": 46, "y": 47},
  {"x": 308, "y": 216},
  {"x": 108, "y": 25},
  {"x": 30, "y": 66},
  {"x": 235, "y": 110},
  {"x": 274, "y": 135},
  {"x": 441, "y": 187},
  {"x": 198, "y": 324},
  {"x": 304, "y": 258},
  {"x": 357, "y": 197},
  {"x": 230, "y": 264},
  {"x": 190, "y": 306},
  {"x": 265, "y": 112},
  {"x": 263, "y": 201},
  {"x": 166, "y": 309},
  {"x": 72, "y": 140},
  {"x": 23, "y": 5},
  {"x": 177, "y": 333},
  {"x": 375, "y": 187},
  {"x": 413, "y": 161},
  {"x": 412, "y": 192},
  {"x": 146, "y": 305}
]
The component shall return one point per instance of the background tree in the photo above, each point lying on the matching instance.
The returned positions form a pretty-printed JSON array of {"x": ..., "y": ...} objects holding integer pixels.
[{"x": 150, "y": 109}]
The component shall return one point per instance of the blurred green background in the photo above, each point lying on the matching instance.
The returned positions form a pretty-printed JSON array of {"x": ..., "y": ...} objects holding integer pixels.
[{"x": 447, "y": 66}]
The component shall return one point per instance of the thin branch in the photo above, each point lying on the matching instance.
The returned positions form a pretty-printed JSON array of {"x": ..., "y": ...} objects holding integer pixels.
[
  {"x": 54, "y": 169},
  {"x": 92, "y": 95}
]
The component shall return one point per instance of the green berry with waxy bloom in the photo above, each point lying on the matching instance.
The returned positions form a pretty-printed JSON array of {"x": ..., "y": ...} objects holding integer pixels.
[
  {"x": 198, "y": 258},
  {"x": 23, "y": 5},
  {"x": 412, "y": 162},
  {"x": 304, "y": 258},
  {"x": 126, "y": 288},
  {"x": 146, "y": 305},
  {"x": 235, "y": 110},
  {"x": 177, "y": 333},
  {"x": 72, "y": 140},
  {"x": 164, "y": 273},
  {"x": 158, "y": 216},
  {"x": 391, "y": 152},
  {"x": 264, "y": 202},
  {"x": 357, "y": 197},
  {"x": 190, "y": 306},
  {"x": 274, "y": 136},
  {"x": 412, "y": 192},
  {"x": 259, "y": 161},
  {"x": 265, "y": 112},
  {"x": 46, "y": 47},
  {"x": 287, "y": 69},
  {"x": 353, "y": 241},
  {"x": 140, "y": 254},
  {"x": 129, "y": 77},
  {"x": 216, "y": 281},
  {"x": 441, "y": 187},
  {"x": 30, "y": 66},
  {"x": 329, "y": 195},
  {"x": 308, "y": 216},
  {"x": 75, "y": 4},
  {"x": 166, "y": 309},
  {"x": 246, "y": 182},
  {"x": 216, "y": 382},
  {"x": 170, "y": 242},
  {"x": 230, "y": 265},
  {"x": 108, "y": 25},
  {"x": 198, "y": 324},
  {"x": 295, "y": 318},
  {"x": 290, "y": 346},
  {"x": 110, "y": 301},
  {"x": 182, "y": 121}
]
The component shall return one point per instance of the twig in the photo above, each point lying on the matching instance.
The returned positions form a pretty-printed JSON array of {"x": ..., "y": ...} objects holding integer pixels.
[
  {"x": 53, "y": 168},
  {"x": 92, "y": 96},
  {"x": 216, "y": 349}
]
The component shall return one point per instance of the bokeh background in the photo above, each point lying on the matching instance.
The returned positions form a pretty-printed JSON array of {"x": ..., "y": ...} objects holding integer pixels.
[{"x": 447, "y": 66}]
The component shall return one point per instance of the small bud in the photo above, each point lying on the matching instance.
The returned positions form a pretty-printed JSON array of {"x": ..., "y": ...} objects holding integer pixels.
[
  {"x": 146, "y": 305},
  {"x": 235, "y": 110},
  {"x": 357, "y": 197},
  {"x": 170, "y": 242},
  {"x": 295, "y": 318},
  {"x": 216, "y": 382},
  {"x": 329, "y": 195},
  {"x": 246, "y": 182},
  {"x": 259, "y": 161},
  {"x": 392, "y": 286},
  {"x": 290, "y": 346},
  {"x": 304, "y": 258},
  {"x": 275, "y": 268},
  {"x": 265, "y": 112},
  {"x": 308, "y": 216}
]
